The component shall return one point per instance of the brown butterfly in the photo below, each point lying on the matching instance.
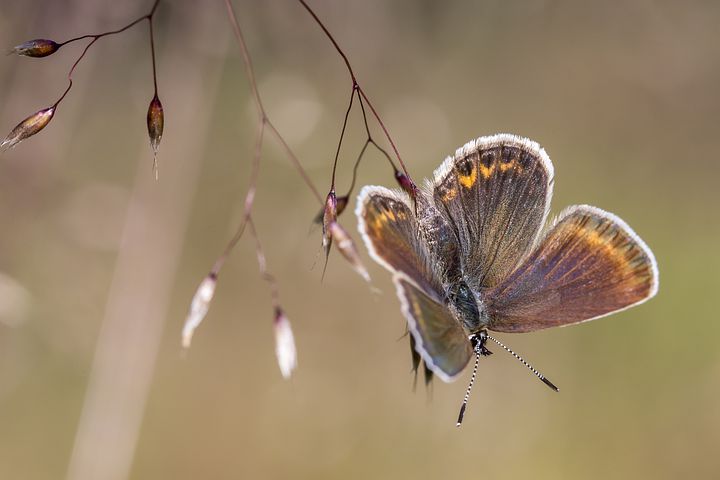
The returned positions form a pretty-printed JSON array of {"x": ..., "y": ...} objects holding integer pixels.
[{"x": 469, "y": 254}]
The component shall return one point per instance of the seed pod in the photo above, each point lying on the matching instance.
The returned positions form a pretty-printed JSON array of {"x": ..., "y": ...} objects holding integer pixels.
[
  {"x": 329, "y": 216},
  {"x": 405, "y": 183},
  {"x": 348, "y": 250},
  {"x": 342, "y": 202},
  {"x": 155, "y": 124},
  {"x": 28, "y": 127},
  {"x": 284, "y": 344},
  {"x": 198, "y": 308},
  {"x": 37, "y": 48}
]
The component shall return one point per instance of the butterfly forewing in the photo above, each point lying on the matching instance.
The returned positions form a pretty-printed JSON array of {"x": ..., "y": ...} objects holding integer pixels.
[
  {"x": 589, "y": 264},
  {"x": 391, "y": 232},
  {"x": 389, "y": 228},
  {"x": 495, "y": 193}
]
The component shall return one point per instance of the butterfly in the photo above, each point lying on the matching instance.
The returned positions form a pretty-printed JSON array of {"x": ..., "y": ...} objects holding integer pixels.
[{"x": 471, "y": 253}]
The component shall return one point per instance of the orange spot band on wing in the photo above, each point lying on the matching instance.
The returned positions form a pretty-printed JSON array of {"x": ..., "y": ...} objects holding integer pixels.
[
  {"x": 513, "y": 164},
  {"x": 487, "y": 171},
  {"x": 385, "y": 217},
  {"x": 449, "y": 194},
  {"x": 468, "y": 181}
]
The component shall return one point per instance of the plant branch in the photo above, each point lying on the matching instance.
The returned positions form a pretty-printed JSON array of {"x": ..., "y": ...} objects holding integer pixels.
[
  {"x": 249, "y": 200},
  {"x": 262, "y": 115},
  {"x": 356, "y": 84},
  {"x": 262, "y": 265},
  {"x": 95, "y": 37},
  {"x": 342, "y": 135}
]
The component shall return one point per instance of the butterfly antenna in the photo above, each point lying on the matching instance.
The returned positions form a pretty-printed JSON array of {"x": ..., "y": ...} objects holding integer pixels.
[
  {"x": 467, "y": 392},
  {"x": 537, "y": 374}
]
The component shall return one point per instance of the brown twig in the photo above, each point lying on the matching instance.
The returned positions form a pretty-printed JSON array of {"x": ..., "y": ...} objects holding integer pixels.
[
  {"x": 262, "y": 115},
  {"x": 249, "y": 200},
  {"x": 358, "y": 87},
  {"x": 342, "y": 135},
  {"x": 262, "y": 265},
  {"x": 369, "y": 140},
  {"x": 96, "y": 36},
  {"x": 263, "y": 123}
]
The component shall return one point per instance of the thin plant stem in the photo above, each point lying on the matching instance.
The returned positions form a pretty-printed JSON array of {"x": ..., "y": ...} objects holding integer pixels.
[
  {"x": 262, "y": 264},
  {"x": 262, "y": 115},
  {"x": 249, "y": 200},
  {"x": 342, "y": 135},
  {"x": 152, "y": 53},
  {"x": 356, "y": 84},
  {"x": 370, "y": 138},
  {"x": 385, "y": 130},
  {"x": 96, "y": 36},
  {"x": 263, "y": 124},
  {"x": 368, "y": 141},
  {"x": 355, "y": 167},
  {"x": 294, "y": 159}
]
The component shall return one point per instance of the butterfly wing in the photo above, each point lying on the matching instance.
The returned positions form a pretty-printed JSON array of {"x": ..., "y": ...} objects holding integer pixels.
[
  {"x": 588, "y": 265},
  {"x": 391, "y": 233},
  {"x": 495, "y": 193},
  {"x": 438, "y": 337}
]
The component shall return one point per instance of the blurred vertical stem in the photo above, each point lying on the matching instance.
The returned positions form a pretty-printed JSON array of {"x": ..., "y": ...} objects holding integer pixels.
[{"x": 146, "y": 266}]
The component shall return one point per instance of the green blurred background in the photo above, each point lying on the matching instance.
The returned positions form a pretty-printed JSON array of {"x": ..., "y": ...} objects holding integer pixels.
[{"x": 98, "y": 262}]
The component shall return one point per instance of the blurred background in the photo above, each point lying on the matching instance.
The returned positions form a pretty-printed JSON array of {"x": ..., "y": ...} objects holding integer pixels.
[{"x": 98, "y": 262}]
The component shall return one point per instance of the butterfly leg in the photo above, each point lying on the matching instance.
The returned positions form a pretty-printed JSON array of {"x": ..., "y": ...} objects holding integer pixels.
[{"x": 478, "y": 341}]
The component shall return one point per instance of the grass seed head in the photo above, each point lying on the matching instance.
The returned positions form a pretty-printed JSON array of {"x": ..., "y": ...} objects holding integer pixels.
[
  {"x": 37, "y": 48},
  {"x": 406, "y": 184},
  {"x": 284, "y": 344},
  {"x": 27, "y": 128},
  {"x": 155, "y": 125},
  {"x": 198, "y": 308},
  {"x": 348, "y": 250},
  {"x": 329, "y": 217}
]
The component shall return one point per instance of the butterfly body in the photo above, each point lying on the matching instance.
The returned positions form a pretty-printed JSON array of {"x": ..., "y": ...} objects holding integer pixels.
[
  {"x": 471, "y": 252},
  {"x": 467, "y": 307}
]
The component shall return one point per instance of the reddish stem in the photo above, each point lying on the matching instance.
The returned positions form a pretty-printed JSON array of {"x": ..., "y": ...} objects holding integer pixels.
[
  {"x": 342, "y": 135},
  {"x": 356, "y": 84},
  {"x": 97, "y": 36},
  {"x": 262, "y": 115}
]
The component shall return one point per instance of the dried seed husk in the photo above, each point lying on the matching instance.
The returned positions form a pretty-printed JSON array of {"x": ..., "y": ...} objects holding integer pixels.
[
  {"x": 284, "y": 344},
  {"x": 347, "y": 248},
  {"x": 27, "y": 128},
  {"x": 38, "y": 48}
]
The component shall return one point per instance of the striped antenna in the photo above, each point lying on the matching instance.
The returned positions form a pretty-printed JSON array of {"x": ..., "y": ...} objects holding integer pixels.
[
  {"x": 467, "y": 392},
  {"x": 537, "y": 374}
]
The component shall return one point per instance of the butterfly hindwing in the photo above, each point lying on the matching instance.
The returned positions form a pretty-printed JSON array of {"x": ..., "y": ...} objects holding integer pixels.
[
  {"x": 588, "y": 265},
  {"x": 438, "y": 337},
  {"x": 495, "y": 193}
]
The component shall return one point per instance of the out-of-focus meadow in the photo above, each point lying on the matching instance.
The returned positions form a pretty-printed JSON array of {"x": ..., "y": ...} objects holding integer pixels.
[{"x": 98, "y": 262}]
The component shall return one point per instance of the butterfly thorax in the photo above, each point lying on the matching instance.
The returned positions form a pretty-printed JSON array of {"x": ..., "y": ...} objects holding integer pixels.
[{"x": 466, "y": 306}]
